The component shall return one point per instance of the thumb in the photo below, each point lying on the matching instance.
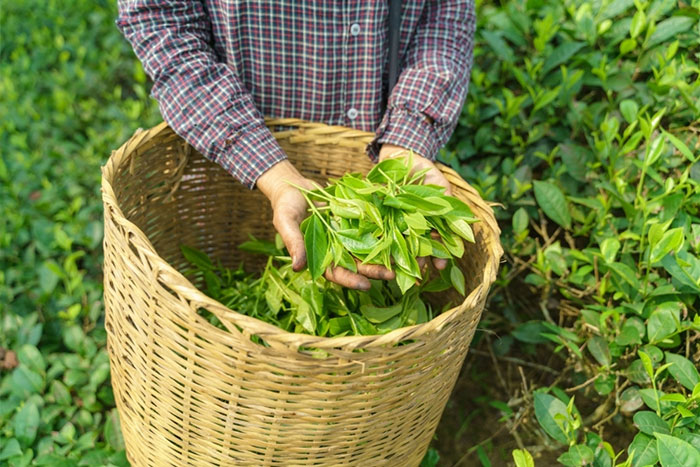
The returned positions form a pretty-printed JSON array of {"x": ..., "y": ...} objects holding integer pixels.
[{"x": 435, "y": 177}]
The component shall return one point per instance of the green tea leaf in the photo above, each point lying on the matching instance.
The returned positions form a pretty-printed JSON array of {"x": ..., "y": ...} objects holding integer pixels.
[
  {"x": 530, "y": 332},
  {"x": 395, "y": 169},
  {"x": 520, "y": 222},
  {"x": 379, "y": 315},
  {"x": 629, "y": 110},
  {"x": 523, "y": 458},
  {"x": 661, "y": 324},
  {"x": 424, "y": 191},
  {"x": 26, "y": 381},
  {"x": 360, "y": 325},
  {"x": 404, "y": 281},
  {"x": 60, "y": 393},
  {"x": 389, "y": 325},
  {"x": 32, "y": 358},
  {"x": 26, "y": 424},
  {"x": 546, "y": 409},
  {"x": 638, "y": 23},
  {"x": 196, "y": 257},
  {"x": 431, "y": 459},
  {"x": 643, "y": 450},
  {"x": 429, "y": 206},
  {"x": 674, "y": 452},
  {"x": 577, "y": 455},
  {"x": 646, "y": 361},
  {"x": 683, "y": 370},
  {"x": 340, "y": 325},
  {"x": 457, "y": 279},
  {"x": 112, "y": 431},
  {"x": 11, "y": 449},
  {"x": 650, "y": 423},
  {"x": 672, "y": 240},
  {"x": 669, "y": 28},
  {"x": 609, "y": 248},
  {"x": 461, "y": 228},
  {"x": 348, "y": 209},
  {"x": 561, "y": 54},
  {"x": 263, "y": 247},
  {"x": 598, "y": 347},
  {"x": 356, "y": 243},
  {"x": 553, "y": 203},
  {"x": 680, "y": 145},
  {"x": 416, "y": 221},
  {"x": 316, "y": 244},
  {"x": 306, "y": 317},
  {"x": 626, "y": 273}
]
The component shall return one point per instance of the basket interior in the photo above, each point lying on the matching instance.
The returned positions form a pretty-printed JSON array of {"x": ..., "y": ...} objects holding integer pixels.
[{"x": 178, "y": 197}]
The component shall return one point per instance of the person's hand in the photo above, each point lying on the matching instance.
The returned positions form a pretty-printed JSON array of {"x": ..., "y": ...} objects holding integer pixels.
[
  {"x": 290, "y": 209},
  {"x": 432, "y": 177}
]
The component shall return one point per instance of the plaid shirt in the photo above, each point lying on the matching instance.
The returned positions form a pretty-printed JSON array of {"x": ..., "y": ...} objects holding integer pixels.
[{"x": 218, "y": 66}]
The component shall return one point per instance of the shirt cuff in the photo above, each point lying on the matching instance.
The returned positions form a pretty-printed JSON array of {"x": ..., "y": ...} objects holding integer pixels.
[
  {"x": 408, "y": 129},
  {"x": 249, "y": 152}
]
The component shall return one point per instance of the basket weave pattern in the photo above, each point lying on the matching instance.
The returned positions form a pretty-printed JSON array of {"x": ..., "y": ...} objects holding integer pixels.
[{"x": 189, "y": 393}]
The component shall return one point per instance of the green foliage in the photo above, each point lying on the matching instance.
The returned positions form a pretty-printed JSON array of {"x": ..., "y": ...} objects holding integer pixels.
[
  {"x": 71, "y": 92},
  {"x": 296, "y": 302},
  {"x": 582, "y": 120},
  {"x": 385, "y": 219}
]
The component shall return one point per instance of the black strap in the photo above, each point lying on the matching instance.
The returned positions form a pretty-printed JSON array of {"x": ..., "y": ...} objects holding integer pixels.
[{"x": 394, "y": 35}]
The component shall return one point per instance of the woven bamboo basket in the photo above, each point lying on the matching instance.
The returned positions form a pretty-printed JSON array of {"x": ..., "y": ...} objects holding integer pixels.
[{"x": 189, "y": 393}]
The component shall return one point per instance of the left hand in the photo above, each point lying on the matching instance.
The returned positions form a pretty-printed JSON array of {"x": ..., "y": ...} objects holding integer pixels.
[{"x": 433, "y": 177}]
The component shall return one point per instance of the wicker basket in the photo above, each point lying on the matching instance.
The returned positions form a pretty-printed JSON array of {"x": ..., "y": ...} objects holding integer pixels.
[{"x": 189, "y": 393}]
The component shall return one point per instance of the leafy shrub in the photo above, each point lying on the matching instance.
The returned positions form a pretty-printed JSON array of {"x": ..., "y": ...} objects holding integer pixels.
[
  {"x": 71, "y": 91},
  {"x": 582, "y": 121}
]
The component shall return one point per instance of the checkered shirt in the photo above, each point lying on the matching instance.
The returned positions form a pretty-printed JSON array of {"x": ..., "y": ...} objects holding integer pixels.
[{"x": 218, "y": 66}]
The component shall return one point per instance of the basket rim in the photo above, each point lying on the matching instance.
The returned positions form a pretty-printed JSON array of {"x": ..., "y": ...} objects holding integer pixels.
[{"x": 271, "y": 334}]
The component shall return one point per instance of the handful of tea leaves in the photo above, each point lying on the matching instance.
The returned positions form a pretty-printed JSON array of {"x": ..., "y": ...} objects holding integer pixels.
[
  {"x": 295, "y": 302},
  {"x": 385, "y": 218}
]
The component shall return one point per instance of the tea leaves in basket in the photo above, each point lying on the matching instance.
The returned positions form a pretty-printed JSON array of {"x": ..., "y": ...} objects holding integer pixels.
[{"x": 296, "y": 302}]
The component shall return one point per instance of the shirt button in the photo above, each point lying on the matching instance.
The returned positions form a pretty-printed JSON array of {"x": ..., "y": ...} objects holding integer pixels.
[
  {"x": 355, "y": 29},
  {"x": 352, "y": 113}
]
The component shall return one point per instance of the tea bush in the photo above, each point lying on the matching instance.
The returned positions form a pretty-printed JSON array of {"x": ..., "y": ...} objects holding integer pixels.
[
  {"x": 582, "y": 122},
  {"x": 71, "y": 91}
]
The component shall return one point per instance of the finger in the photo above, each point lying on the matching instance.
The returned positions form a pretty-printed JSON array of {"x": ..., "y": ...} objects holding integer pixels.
[
  {"x": 422, "y": 263},
  {"x": 440, "y": 263},
  {"x": 346, "y": 278},
  {"x": 288, "y": 229},
  {"x": 435, "y": 177},
  {"x": 375, "y": 271}
]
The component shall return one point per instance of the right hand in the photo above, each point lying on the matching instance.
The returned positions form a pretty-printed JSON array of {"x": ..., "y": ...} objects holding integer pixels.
[{"x": 290, "y": 209}]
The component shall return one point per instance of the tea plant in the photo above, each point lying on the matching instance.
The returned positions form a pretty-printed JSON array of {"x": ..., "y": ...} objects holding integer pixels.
[
  {"x": 582, "y": 122},
  {"x": 386, "y": 218},
  {"x": 71, "y": 91}
]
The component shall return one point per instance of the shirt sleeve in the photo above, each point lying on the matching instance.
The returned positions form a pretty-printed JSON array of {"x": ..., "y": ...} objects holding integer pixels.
[
  {"x": 200, "y": 97},
  {"x": 433, "y": 81}
]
